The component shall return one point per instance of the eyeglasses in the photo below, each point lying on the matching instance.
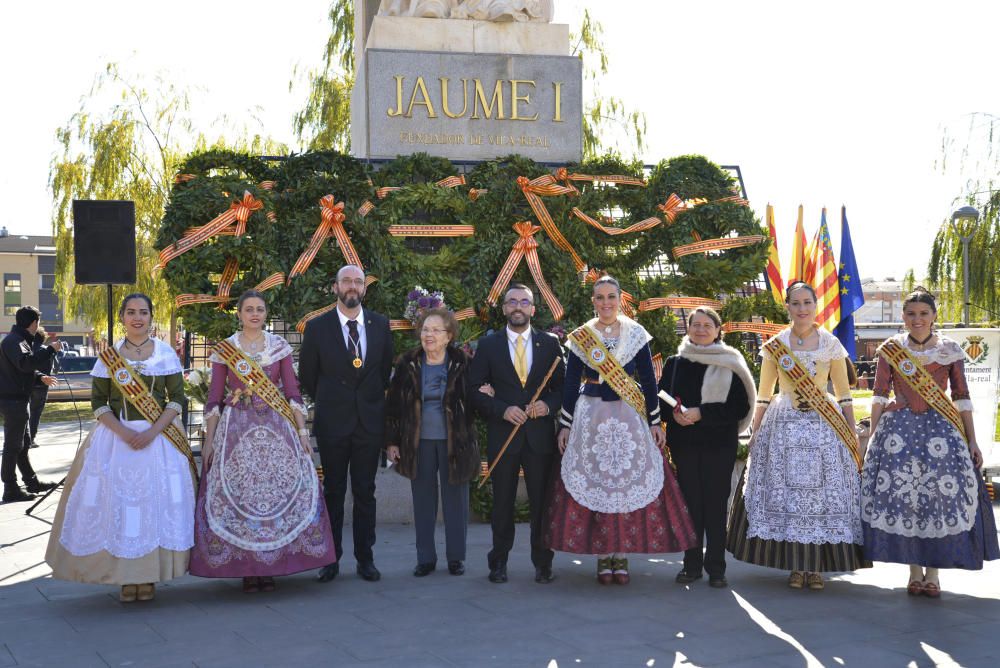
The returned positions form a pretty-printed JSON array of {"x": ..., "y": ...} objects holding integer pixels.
[
  {"x": 352, "y": 281},
  {"x": 433, "y": 331},
  {"x": 523, "y": 303}
]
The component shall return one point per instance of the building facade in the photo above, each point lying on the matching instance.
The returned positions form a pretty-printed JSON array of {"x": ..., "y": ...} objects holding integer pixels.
[{"x": 27, "y": 272}]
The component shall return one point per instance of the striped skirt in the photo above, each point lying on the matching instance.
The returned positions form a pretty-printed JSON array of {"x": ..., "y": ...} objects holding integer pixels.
[{"x": 786, "y": 555}]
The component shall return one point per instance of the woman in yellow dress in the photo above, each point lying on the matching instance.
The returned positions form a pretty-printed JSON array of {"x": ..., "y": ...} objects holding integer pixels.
[{"x": 798, "y": 507}]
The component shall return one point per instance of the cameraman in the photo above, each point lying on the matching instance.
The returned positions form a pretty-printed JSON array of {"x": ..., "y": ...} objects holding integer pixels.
[{"x": 20, "y": 365}]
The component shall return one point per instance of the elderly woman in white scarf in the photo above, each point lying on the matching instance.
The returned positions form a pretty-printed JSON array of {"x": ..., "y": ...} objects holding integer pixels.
[{"x": 713, "y": 392}]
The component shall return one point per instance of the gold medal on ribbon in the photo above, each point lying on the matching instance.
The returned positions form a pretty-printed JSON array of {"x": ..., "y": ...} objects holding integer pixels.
[{"x": 357, "y": 362}]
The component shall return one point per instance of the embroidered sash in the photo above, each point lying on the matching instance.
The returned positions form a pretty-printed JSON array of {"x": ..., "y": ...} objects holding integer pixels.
[
  {"x": 599, "y": 358},
  {"x": 136, "y": 393},
  {"x": 921, "y": 382},
  {"x": 808, "y": 392},
  {"x": 255, "y": 380}
]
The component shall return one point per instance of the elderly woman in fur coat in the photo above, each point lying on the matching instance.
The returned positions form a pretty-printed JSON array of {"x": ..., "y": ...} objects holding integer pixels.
[
  {"x": 430, "y": 436},
  {"x": 715, "y": 393}
]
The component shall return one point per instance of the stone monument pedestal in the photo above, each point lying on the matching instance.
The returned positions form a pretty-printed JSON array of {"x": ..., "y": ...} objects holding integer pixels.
[{"x": 424, "y": 116}]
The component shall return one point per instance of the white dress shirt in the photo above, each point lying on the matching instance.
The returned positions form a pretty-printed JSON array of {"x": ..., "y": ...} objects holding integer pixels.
[
  {"x": 512, "y": 346},
  {"x": 361, "y": 331}
]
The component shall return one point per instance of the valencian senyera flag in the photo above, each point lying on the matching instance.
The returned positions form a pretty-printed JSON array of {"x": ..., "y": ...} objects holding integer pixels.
[
  {"x": 773, "y": 264},
  {"x": 851, "y": 294},
  {"x": 796, "y": 270},
  {"x": 825, "y": 282}
]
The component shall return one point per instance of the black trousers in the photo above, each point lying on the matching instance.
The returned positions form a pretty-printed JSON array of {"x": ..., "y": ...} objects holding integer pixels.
[
  {"x": 537, "y": 469},
  {"x": 357, "y": 455},
  {"x": 39, "y": 395},
  {"x": 704, "y": 473},
  {"x": 16, "y": 441}
]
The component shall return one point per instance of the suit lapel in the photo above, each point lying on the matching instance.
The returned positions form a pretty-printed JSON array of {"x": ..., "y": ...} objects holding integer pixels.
[
  {"x": 507, "y": 361},
  {"x": 372, "y": 342},
  {"x": 538, "y": 367}
]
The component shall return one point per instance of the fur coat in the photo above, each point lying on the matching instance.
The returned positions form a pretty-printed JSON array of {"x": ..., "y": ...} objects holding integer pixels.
[{"x": 403, "y": 411}]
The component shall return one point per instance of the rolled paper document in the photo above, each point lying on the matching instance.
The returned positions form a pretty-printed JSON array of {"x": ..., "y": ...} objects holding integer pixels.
[{"x": 670, "y": 401}]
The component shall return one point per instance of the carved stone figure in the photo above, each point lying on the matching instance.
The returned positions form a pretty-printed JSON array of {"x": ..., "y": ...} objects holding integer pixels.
[{"x": 478, "y": 10}]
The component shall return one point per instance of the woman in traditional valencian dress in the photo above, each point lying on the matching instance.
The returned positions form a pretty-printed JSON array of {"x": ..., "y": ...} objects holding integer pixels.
[
  {"x": 924, "y": 503},
  {"x": 126, "y": 515},
  {"x": 798, "y": 507},
  {"x": 260, "y": 508},
  {"x": 615, "y": 493}
]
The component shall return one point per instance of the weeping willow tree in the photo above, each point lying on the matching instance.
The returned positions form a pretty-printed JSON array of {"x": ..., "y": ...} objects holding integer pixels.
[
  {"x": 945, "y": 267},
  {"x": 325, "y": 120},
  {"x": 974, "y": 154},
  {"x": 125, "y": 143}
]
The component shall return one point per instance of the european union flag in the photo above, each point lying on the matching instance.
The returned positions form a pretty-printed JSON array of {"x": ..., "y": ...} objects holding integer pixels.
[{"x": 851, "y": 295}]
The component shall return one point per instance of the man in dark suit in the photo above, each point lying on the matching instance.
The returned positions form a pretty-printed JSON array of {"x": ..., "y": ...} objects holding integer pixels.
[
  {"x": 514, "y": 362},
  {"x": 344, "y": 365}
]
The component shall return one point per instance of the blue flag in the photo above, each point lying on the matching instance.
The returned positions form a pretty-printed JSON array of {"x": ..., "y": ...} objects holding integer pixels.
[{"x": 851, "y": 294}]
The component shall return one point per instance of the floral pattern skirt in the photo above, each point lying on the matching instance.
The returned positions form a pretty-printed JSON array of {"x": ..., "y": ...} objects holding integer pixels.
[
  {"x": 923, "y": 502},
  {"x": 260, "y": 509}
]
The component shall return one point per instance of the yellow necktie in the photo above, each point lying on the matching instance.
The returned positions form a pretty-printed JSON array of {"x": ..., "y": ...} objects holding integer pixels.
[{"x": 520, "y": 361}]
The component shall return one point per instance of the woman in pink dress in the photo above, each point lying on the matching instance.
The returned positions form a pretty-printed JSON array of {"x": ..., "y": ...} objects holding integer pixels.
[{"x": 260, "y": 510}]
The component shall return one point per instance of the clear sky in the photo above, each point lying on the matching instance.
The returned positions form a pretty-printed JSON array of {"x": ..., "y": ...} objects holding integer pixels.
[{"x": 821, "y": 104}]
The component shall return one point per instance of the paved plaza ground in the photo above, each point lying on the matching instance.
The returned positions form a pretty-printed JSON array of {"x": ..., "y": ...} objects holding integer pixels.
[{"x": 862, "y": 619}]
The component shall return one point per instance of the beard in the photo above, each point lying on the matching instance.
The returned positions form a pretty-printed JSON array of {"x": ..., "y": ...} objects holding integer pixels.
[
  {"x": 517, "y": 318},
  {"x": 351, "y": 299}
]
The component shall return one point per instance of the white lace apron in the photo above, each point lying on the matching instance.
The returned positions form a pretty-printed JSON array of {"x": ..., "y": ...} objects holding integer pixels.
[
  {"x": 611, "y": 464},
  {"x": 802, "y": 484}
]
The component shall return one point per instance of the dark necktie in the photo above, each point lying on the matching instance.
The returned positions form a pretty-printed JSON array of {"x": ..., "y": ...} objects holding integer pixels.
[{"x": 354, "y": 339}]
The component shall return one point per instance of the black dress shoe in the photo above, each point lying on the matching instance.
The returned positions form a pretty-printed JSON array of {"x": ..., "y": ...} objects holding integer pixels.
[
  {"x": 367, "y": 571},
  {"x": 420, "y": 571},
  {"x": 328, "y": 572},
  {"x": 456, "y": 568},
  {"x": 685, "y": 577},
  {"x": 498, "y": 573},
  {"x": 543, "y": 575},
  {"x": 15, "y": 493},
  {"x": 718, "y": 581},
  {"x": 36, "y": 486}
]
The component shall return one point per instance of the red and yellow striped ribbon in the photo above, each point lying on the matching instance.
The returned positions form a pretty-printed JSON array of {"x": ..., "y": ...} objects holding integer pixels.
[
  {"x": 446, "y": 182},
  {"x": 274, "y": 280},
  {"x": 239, "y": 212},
  {"x": 476, "y": 193},
  {"x": 268, "y": 185},
  {"x": 432, "y": 230},
  {"x": 563, "y": 175},
  {"x": 717, "y": 244},
  {"x": 184, "y": 178},
  {"x": 300, "y": 326},
  {"x": 672, "y": 208},
  {"x": 402, "y": 324},
  {"x": 677, "y": 302},
  {"x": 332, "y": 223},
  {"x": 365, "y": 208},
  {"x": 765, "y": 329},
  {"x": 658, "y": 366},
  {"x": 641, "y": 226},
  {"x": 525, "y": 247},
  {"x": 546, "y": 186}
]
